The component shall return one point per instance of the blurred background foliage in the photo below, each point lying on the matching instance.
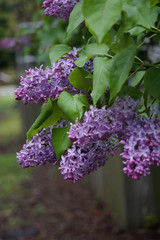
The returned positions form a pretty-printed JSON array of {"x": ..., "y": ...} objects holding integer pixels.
[
  {"x": 44, "y": 31},
  {"x": 12, "y": 13}
]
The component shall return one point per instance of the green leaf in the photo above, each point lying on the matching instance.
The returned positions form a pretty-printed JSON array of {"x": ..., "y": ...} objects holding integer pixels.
[
  {"x": 60, "y": 141},
  {"x": 130, "y": 91},
  {"x": 90, "y": 51},
  {"x": 100, "y": 81},
  {"x": 50, "y": 115},
  {"x": 120, "y": 43},
  {"x": 100, "y": 16},
  {"x": 112, "y": 73},
  {"x": 152, "y": 82},
  {"x": 119, "y": 71},
  {"x": 76, "y": 18},
  {"x": 154, "y": 2},
  {"x": 137, "y": 78},
  {"x": 145, "y": 97},
  {"x": 79, "y": 79},
  {"x": 138, "y": 13},
  {"x": 73, "y": 106},
  {"x": 57, "y": 51},
  {"x": 87, "y": 36}
]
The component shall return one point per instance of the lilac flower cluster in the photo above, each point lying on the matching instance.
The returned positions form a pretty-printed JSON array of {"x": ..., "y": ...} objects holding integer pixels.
[
  {"x": 77, "y": 161},
  {"x": 38, "y": 151},
  {"x": 99, "y": 132},
  {"x": 101, "y": 124},
  {"x": 59, "y": 8},
  {"x": 41, "y": 84},
  {"x": 89, "y": 65},
  {"x": 15, "y": 43},
  {"x": 102, "y": 131},
  {"x": 7, "y": 43},
  {"x": 121, "y": 124},
  {"x": 141, "y": 147}
]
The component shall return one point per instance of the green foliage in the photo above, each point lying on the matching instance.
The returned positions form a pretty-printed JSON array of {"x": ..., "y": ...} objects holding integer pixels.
[
  {"x": 154, "y": 2},
  {"x": 57, "y": 51},
  {"x": 152, "y": 82},
  {"x": 73, "y": 106},
  {"x": 89, "y": 51},
  {"x": 75, "y": 19},
  {"x": 130, "y": 91},
  {"x": 50, "y": 115},
  {"x": 138, "y": 16},
  {"x": 60, "y": 141},
  {"x": 120, "y": 66},
  {"x": 119, "y": 42},
  {"x": 100, "y": 82},
  {"x": 112, "y": 73},
  {"x": 80, "y": 78},
  {"x": 138, "y": 77},
  {"x": 100, "y": 16}
]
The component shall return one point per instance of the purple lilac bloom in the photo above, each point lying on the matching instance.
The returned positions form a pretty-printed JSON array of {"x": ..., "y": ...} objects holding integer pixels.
[
  {"x": 23, "y": 41},
  {"x": 59, "y": 8},
  {"x": 141, "y": 147},
  {"x": 77, "y": 162},
  {"x": 8, "y": 43},
  {"x": 101, "y": 124},
  {"x": 38, "y": 151},
  {"x": 89, "y": 65},
  {"x": 15, "y": 43},
  {"x": 41, "y": 84}
]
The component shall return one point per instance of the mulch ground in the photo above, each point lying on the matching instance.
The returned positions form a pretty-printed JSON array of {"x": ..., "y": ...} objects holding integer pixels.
[{"x": 49, "y": 208}]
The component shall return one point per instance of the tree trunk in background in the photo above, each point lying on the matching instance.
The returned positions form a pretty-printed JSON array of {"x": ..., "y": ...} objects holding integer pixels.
[{"x": 28, "y": 112}]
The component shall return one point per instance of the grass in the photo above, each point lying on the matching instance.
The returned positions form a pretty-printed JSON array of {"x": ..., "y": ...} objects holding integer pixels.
[
  {"x": 11, "y": 175},
  {"x": 10, "y": 122}
]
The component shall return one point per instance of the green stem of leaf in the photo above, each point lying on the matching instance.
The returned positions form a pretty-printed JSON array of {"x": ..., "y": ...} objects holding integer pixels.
[
  {"x": 158, "y": 25},
  {"x": 108, "y": 55},
  {"x": 145, "y": 40},
  {"x": 154, "y": 100},
  {"x": 135, "y": 71},
  {"x": 148, "y": 65},
  {"x": 148, "y": 29},
  {"x": 139, "y": 59},
  {"x": 158, "y": 30},
  {"x": 139, "y": 84}
]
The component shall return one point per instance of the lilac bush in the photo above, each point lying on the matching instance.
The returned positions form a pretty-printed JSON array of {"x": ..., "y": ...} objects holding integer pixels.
[
  {"x": 106, "y": 109},
  {"x": 101, "y": 131}
]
